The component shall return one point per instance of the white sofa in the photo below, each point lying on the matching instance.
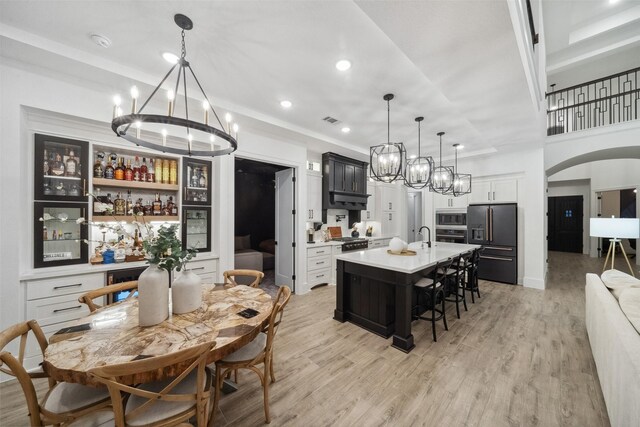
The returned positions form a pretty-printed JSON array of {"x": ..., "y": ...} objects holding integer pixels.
[{"x": 615, "y": 344}]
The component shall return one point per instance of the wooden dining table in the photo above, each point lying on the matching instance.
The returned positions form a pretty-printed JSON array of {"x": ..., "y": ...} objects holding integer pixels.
[{"x": 111, "y": 335}]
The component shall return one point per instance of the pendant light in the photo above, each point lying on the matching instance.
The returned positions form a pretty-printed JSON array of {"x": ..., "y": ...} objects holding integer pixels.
[
  {"x": 387, "y": 161},
  {"x": 461, "y": 181},
  {"x": 442, "y": 178},
  {"x": 121, "y": 124},
  {"x": 419, "y": 170}
]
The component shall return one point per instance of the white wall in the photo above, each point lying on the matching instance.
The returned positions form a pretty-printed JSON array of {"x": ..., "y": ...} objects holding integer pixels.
[{"x": 576, "y": 188}]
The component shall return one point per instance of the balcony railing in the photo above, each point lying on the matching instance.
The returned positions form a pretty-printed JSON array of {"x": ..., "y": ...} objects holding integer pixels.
[{"x": 610, "y": 100}]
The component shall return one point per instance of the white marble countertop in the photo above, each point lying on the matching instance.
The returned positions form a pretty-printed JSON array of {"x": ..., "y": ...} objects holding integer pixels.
[
  {"x": 425, "y": 258},
  {"x": 334, "y": 243}
]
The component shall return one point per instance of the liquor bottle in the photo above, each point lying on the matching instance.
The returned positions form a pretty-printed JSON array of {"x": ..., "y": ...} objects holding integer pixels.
[
  {"x": 98, "y": 208},
  {"x": 137, "y": 208},
  {"x": 165, "y": 171},
  {"x": 151, "y": 173},
  {"x": 128, "y": 172},
  {"x": 157, "y": 205},
  {"x": 159, "y": 173},
  {"x": 195, "y": 181},
  {"x": 148, "y": 208},
  {"x": 98, "y": 170},
  {"x": 109, "y": 171},
  {"x": 143, "y": 170},
  {"x": 109, "y": 203},
  {"x": 45, "y": 233},
  {"x": 55, "y": 235},
  {"x": 113, "y": 158},
  {"x": 72, "y": 164},
  {"x": 166, "y": 208},
  {"x": 57, "y": 168},
  {"x": 136, "y": 170},
  {"x": 203, "y": 177},
  {"x": 45, "y": 165},
  {"x": 129, "y": 207},
  {"x": 119, "y": 206},
  {"x": 174, "y": 207},
  {"x": 119, "y": 172},
  {"x": 173, "y": 172},
  {"x": 137, "y": 242}
]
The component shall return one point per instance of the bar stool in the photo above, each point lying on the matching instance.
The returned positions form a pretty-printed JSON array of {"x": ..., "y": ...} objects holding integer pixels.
[
  {"x": 433, "y": 287},
  {"x": 471, "y": 282},
  {"x": 455, "y": 279}
]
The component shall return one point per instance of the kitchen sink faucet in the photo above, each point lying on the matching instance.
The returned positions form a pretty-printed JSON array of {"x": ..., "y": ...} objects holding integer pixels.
[{"x": 428, "y": 242}]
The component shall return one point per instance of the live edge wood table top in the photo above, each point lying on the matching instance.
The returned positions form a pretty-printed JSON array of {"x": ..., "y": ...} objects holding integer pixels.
[{"x": 112, "y": 334}]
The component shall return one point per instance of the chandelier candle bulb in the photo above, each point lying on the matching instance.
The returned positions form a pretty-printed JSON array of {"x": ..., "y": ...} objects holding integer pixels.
[
  {"x": 212, "y": 140},
  {"x": 138, "y": 127},
  {"x": 170, "y": 97},
  {"x": 116, "y": 106},
  {"x": 164, "y": 137},
  {"x": 190, "y": 139},
  {"x": 205, "y": 106},
  {"x": 227, "y": 118},
  {"x": 235, "y": 130},
  {"x": 134, "y": 99}
]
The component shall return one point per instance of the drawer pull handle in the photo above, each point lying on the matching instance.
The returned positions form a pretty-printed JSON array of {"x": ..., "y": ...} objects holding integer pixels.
[
  {"x": 496, "y": 259},
  {"x": 319, "y": 262},
  {"x": 496, "y": 248},
  {"x": 67, "y": 309},
  {"x": 197, "y": 268},
  {"x": 319, "y": 276},
  {"x": 320, "y": 252},
  {"x": 67, "y": 286}
]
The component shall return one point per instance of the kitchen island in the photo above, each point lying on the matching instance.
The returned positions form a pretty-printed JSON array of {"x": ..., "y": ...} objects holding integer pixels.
[{"x": 375, "y": 288}]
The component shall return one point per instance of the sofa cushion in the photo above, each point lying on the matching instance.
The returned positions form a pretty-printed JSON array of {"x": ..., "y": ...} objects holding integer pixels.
[
  {"x": 242, "y": 242},
  {"x": 268, "y": 246},
  {"x": 630, "y": 304},
  {"x": 617, "y": 281}
]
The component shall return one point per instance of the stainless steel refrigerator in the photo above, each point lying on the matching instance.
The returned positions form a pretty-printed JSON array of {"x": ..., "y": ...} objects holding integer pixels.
[{"x": 495, "y": 227}]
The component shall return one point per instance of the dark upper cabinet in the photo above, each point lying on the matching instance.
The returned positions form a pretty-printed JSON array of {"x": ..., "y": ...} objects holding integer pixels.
[
  {"x": 343, "y": 183},
  {"x": 196, "y": 228},
  {"x": 359, "y": 179},
  {"x": 60, "y": 171},
  {"x": 196, "y": 178},
  {"x": 338, "y": 175},
  {"x": 58, "y": 237}
]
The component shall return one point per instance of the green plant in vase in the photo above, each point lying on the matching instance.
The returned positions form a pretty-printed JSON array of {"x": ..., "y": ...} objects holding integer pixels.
[{"x": 164, "y": 249}]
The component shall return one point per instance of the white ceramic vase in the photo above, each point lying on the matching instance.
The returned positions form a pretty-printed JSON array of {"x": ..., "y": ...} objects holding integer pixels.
[
  {"x": 396, "y": 244},
  {"x": 186, "y": 292},
  {"x": 153, "y": 296}
]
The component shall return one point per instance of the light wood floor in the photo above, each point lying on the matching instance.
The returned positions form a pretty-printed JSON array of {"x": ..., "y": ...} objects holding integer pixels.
[{"x": 518, "y": 357}]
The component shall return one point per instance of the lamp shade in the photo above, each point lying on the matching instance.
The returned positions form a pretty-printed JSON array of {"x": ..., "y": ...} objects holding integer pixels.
[{"x": 617, "y": 228}]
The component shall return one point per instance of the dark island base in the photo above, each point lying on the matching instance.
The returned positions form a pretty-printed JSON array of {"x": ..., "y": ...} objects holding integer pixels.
[{"x": 378, "y": 300}]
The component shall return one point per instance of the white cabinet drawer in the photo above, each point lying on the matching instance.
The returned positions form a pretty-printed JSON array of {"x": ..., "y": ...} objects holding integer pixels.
[
  {"x": 317, "y": 277},
  {"x": 202, "y": 267},
  {"x": 318, "y": 263},
  {"x": 321, "y": 251},
  {"x": 47, "y": 288},
  {"x": 56, "y": 309}
]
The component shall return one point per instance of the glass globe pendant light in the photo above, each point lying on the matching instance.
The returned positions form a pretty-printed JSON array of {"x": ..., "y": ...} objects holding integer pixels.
[
  {"x": 442, "y": 178},
  {"x": 419, "y": 170},
  {"x": 461, "y": 181},
  {"x": 387, "y": 161}
]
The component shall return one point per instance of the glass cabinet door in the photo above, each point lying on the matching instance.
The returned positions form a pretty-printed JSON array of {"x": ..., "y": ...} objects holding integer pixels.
[
  {"x": 196, "y": 178},
  {"x": 60, "y": 169},
  {"x": 58, "y": 237},
  {"x": 196, "y": 228}
]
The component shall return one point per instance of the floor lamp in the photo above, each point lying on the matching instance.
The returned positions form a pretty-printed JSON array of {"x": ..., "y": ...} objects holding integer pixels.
[{"x": 615, "y": 229}]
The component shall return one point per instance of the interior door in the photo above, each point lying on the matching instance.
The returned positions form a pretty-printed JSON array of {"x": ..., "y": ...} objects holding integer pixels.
[
  {"x": 565, "y": 224},
  {"x": 414, "y": 216},
  {"x": 285, "y": 228}
]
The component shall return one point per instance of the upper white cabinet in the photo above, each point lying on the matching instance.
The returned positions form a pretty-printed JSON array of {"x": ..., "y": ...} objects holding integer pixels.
[
  {"x": 497, "y": 191},
  {"x": 388, "y": 200},
  {"x": 442, "y": 202},
  {"x": 370, "y": 213},
  {"x": 314, "y": 197}
]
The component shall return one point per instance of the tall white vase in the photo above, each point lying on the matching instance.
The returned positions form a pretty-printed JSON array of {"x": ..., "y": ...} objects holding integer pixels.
[
  {"x": 153, "y": 296},
  {"x": 186, "y": 292}
]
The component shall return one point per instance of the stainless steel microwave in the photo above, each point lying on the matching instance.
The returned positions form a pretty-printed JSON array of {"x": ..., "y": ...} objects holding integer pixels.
[{"x": 451, "y": 218}]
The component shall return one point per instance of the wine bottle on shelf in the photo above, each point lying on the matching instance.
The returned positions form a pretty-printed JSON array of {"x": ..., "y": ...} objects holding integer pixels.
[
  {"x": 157, "y": 205},
  {"x": 143, "y": 171},
  {"x": 119, "y": 206},
  {"x": 166, "y": 207},
  {"x": 174, "y": 207},
  {"x": 98, "y": 170},
  {"x": 98, "y": 208},
  {"x": 57, "y": 169},
  {"x": 129, "y": 207},
  {"x": 72, "y": 164},
  {"x": 136, "y": 169},
  {"x": 109, "y": 203},
  {"x": 119, "y": 172},
  {"x": 109, "y": 171},
  {"x": 151, "y": 173},
  {"x": 128, "y": 172},
  {"x": 148, "y": 208}
]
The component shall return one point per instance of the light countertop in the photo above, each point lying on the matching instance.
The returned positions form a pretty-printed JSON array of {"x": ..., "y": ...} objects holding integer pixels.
[
  {"x": 425, "y": 258},
  {"x": 334, "y": 243}
]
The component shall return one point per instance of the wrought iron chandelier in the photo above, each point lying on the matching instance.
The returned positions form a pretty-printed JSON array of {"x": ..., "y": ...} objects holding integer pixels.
[
  {"x": 461, "y": 181},
  {"x": 419, "y": 169},
  {"x": 121, "y": 124},
  {"x": 442, "y": 178},
  {"x": 387, "y": 161}
]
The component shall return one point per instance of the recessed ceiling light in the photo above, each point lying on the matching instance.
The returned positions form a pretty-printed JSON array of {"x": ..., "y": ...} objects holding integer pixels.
[
  {"x": 285, "y": 104},
  {"x": 170, "y": 57},
  {"x": 346, "y": 130},
  {"x": 101, "y": 40},
  {"x": 343, "y": 65}
]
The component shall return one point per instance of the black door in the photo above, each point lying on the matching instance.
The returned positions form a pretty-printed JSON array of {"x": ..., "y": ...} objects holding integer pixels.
[{"x": 565, "y": 224}]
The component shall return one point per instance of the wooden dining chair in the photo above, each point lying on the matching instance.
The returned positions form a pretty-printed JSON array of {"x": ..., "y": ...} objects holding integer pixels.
[
  {"x": 63, "y": 403},
  {"x": 162, "y": 403},
  {"x": 251, "y": 278},
  {"x": 259, "y": 351},
  {"x": 88, "y": 297}
]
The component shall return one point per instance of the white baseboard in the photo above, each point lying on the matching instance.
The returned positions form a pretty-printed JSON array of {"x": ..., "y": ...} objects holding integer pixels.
[{"x": 530, "y": 282}]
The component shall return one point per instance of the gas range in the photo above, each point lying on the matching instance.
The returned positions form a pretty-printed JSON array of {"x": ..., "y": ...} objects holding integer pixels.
[{"x": 352, "y": 243}]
